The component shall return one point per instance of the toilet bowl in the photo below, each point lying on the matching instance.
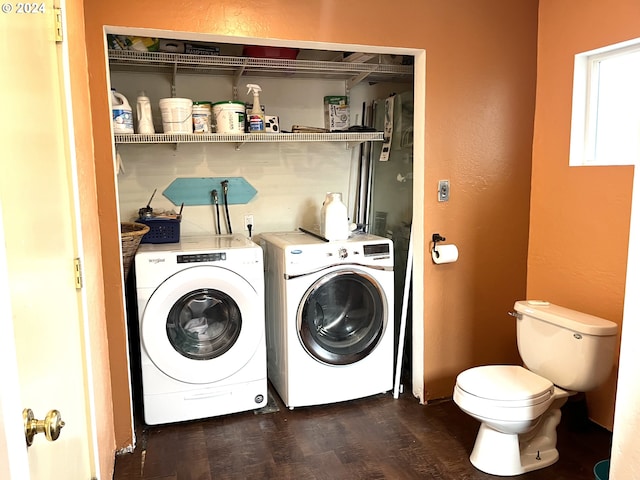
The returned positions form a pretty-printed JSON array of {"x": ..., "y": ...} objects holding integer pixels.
[
  {"x": 519, "y": 409},
  {"x": 510, "y": 401}
]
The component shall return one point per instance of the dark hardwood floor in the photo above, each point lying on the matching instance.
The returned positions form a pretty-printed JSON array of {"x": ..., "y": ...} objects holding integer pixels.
[{"x": 371, "y": 438}]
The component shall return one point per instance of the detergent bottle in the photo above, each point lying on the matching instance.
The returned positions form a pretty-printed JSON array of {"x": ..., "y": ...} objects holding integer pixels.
[
  {"x": 121, "y": 115},
  {"x": 256, "y": 117},
  {"x": 334, "y": 220},
  {"x": 143, "y": 112}
]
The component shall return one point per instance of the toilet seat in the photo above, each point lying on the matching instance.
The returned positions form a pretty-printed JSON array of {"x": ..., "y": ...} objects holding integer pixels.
[
  {"x": 503, "y": 392},
  {"x": 511, "y": 385}
]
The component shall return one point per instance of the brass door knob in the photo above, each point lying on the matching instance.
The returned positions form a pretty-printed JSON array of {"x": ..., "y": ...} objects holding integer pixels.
[{"x": 50, "y": 426}]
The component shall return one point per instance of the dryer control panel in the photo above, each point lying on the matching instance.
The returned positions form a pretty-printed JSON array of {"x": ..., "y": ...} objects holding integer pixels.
[{"x": 376, "y": 249}]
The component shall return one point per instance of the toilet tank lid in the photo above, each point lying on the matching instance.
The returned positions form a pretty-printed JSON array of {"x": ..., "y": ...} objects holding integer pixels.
[{"x": 564, "y": 317}]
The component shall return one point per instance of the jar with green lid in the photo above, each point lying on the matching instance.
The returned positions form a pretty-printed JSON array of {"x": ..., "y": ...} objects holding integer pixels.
[
  {"x": 228, "y": 116},
  {"x": 201, "y": 115}
]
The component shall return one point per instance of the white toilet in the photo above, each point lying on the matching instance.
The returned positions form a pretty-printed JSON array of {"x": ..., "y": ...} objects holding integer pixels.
[{"x": 564, "y": 352}]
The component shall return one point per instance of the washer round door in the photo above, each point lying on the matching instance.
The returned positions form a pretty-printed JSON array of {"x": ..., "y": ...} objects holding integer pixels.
[
  {"x": 202, "y": 324},
  {"x": 342, "y": 317}
]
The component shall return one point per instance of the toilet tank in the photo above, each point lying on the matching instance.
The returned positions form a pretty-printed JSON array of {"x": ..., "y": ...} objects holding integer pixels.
[{"x": 574, "y": 350}]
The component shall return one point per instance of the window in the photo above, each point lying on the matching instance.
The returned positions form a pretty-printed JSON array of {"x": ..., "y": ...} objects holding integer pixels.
[{"x": 605, "y": 128}]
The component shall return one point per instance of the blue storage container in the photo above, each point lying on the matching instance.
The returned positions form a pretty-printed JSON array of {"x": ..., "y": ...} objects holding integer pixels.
[{"x": 161, "y": 229}]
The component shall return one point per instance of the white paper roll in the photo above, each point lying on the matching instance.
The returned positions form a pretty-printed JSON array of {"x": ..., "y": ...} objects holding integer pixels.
[{"x": 444, "y": 254}]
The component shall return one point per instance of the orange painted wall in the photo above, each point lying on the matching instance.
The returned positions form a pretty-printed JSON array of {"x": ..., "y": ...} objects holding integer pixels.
[
  {"x": 479, "y": 126},
  {"x": 579, "y": 215},
  {"x": 480, "y": 109}
]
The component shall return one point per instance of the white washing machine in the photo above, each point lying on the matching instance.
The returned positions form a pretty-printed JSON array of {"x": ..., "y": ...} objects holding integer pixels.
[
  {"x": 201, "y": 319},
  {"x": 329, "y": 317}
]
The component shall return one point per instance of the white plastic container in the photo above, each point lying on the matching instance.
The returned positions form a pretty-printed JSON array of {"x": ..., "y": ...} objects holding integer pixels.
[
  {"x": 334, "y": 220},
  {"x": 201, "y": 117},
  {"x": 121, "y": 115},
  {"x": 176, "y": 115},
  {"x": 228, "y": 117},
  {"x": 143, "y": 112}
]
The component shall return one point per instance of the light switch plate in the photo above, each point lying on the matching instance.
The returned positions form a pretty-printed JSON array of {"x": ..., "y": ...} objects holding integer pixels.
[{"x": 443, "y": 190}]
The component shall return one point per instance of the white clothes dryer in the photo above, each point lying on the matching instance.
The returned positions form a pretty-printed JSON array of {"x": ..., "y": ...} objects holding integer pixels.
[
  {"x": 201, "y": 320},
  {"x": 329, "y": 317}
]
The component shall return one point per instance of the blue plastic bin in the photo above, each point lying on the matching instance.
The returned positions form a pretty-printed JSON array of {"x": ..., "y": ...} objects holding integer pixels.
[
  {"x": 161, "y": 230},
  {"x": 601, "y": 470}
]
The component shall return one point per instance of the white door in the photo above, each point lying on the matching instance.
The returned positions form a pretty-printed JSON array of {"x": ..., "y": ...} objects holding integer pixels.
[{"x": 39, "y": 243}]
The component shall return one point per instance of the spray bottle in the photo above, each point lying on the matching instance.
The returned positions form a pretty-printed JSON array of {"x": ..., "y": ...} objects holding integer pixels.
[{"x": 256, "y": 117}]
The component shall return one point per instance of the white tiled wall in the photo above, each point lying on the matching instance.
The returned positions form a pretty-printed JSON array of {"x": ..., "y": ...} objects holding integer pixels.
[{"x": 291, "y": 180}]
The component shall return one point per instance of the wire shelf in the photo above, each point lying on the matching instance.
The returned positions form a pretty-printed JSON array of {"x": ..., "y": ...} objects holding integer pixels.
[
  {"x": 355, "y": 137},
  {"x": 226, "y": 65}
]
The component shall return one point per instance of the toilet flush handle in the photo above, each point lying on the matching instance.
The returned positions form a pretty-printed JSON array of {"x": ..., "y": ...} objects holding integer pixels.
[{"x": 513, "y": 313}]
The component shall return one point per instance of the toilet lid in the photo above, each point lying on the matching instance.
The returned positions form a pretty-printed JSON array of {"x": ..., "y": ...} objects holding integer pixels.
[{"x": 504, "y": 383}]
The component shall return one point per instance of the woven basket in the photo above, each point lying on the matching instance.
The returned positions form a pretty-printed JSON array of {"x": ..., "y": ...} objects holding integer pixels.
[{"x": 130, "y": 233}]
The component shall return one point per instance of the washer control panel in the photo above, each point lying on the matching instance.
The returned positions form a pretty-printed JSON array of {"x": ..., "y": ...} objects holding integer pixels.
[{"x": 202, "y": 257}]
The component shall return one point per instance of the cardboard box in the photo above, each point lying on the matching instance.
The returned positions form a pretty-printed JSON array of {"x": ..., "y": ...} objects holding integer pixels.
[
  {"x": 336, "y": 113},
  {"x": 200, "y": 49}
]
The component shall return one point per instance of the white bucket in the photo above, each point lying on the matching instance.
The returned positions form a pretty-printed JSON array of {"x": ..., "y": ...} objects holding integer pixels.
[
  {"x": 228, "y": 117},
  {"x": 176, "y": 115}
]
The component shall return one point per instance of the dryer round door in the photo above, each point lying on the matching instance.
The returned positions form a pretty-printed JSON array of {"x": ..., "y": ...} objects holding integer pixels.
[
  {"x": 342, "y": 317},
  {"x": 202, "y": 324}
]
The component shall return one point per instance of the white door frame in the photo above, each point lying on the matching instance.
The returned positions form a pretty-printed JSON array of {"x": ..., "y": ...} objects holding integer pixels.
[{"x": 419, "y": 161}]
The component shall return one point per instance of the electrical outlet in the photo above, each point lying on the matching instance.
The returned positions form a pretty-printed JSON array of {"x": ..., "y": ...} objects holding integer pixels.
[
  {"x": 248, "y": 220},
  {"x": 443, "y": 191}
]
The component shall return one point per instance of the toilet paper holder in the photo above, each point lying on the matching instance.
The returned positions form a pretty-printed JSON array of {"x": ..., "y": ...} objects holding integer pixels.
[{"x": 435, "y": 238}]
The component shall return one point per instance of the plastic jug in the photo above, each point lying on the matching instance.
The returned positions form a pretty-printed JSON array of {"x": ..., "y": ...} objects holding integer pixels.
[
  {"x": 121, "y": 115},
  {"x": 143, "y": 111},
  {"x": 334, "y": 220}
]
